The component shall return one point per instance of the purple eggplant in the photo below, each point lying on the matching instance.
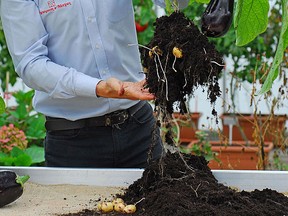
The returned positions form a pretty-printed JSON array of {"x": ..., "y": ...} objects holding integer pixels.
[
  {"x": 217, "y": 18},
  {"x": 11, "y": 187}
]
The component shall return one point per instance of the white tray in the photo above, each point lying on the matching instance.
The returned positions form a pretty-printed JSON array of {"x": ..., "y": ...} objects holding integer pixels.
[{"x": 243, "y": 180}]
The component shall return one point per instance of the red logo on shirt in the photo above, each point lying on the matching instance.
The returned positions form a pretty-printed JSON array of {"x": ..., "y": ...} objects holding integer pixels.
[
  {"x": 51, "y": 3},
  {"x": 53, "y": 6}
]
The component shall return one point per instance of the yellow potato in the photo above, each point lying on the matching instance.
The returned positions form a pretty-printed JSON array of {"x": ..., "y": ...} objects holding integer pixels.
[
  {"x": 107, "y": 207},
  {"x": 119, "y": 207},
  {"x": 155, "y": 49},
  {"x": 117, "y": 200},
  {"x": 130, "y": 209},
  {"x": 177, "y": 52}
]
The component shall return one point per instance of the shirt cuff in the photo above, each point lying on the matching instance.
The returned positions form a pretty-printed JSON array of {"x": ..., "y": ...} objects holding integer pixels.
[{"x": 86, "y": 86}]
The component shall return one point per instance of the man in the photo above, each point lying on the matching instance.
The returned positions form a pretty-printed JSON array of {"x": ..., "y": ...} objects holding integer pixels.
[{"x": 88, "y": 81}]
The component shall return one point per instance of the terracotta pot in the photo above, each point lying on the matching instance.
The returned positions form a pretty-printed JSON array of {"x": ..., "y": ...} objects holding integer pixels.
[
  {"x": 238, "y": 156},
  {"x": 246, "y": 121},
  {"x": 188, "y": 125}
]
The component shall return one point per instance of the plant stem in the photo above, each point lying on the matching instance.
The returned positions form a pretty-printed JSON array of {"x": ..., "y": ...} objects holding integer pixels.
[{"x": 22, "y": 179}]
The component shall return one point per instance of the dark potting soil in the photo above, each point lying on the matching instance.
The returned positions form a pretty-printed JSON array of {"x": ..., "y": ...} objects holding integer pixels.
[
  {"x": 173, "y": 79},
  {"x": 185, "y": 186}
]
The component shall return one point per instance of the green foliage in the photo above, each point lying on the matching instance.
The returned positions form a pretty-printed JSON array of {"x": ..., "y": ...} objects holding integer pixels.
[
  {"x": 144, "y": 14},
  {"x": 33, "y": 155},
  {"x": 255, "y": 53},
  {"x": 282, "y": 46},
  {"x": 24, "y": 117},
  {"x": 250, "y": 20},
  {"x": 2, "y": 105},
  {"x": 201, "y": 148},
  {"x": 251, "y": 29}
]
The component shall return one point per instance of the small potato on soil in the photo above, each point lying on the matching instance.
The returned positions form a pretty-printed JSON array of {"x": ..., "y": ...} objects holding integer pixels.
[
  {"x": 117, "y": 201},
  {"x": 106, "y": 207},
  {"x": 119, "y": 207},
  {"x": 130, "y": 209}
]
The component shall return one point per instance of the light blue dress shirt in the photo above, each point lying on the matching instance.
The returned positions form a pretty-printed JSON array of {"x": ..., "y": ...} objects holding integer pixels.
[{"x": 63, "y": 48}]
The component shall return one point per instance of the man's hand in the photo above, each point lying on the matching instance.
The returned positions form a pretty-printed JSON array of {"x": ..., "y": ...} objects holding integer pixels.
[{"x": 114, "y": 88}]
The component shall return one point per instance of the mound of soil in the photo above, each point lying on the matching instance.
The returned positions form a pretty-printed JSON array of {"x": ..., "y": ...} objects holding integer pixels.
[
  {"x": 183, "y": 185},
  {"x": 174, "y": 79}
]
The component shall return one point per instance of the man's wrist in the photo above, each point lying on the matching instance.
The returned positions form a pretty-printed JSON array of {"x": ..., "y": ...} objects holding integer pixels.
[{"x": 99, "y": 88}]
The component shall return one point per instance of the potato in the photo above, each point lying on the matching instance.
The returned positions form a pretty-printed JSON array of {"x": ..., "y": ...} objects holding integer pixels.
[
  {"x": 119, "y": 207},
  {"x": 177, "y": 52},
  {"x": 154, "y": 50},
  {"x": 107, "y": 207},
  {"x": 130, "y": 209},
  {"x": 117, "y": 200}
]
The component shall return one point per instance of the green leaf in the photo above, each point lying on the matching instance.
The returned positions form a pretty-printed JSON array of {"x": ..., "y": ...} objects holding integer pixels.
[
  {"x": 251, "y": 19},
  {"x": 36, "y": 154},
  {"x": 2, "y": 105},
  {"x": 203, "y": 1},
  {"x": 282, "y": 45},
  {"x": 23, "y": 160},
  {"x": 36, "y": 127},
  {"x": 15, "y": 152},
  {"x": 6, "y": 160}
]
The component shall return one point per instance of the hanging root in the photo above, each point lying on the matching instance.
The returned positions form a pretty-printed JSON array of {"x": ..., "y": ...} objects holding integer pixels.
[{"x": 214, "y": 62}]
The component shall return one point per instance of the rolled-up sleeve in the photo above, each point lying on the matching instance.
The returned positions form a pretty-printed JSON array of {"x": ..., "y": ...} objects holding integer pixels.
[{"x": 26, "y": 38}]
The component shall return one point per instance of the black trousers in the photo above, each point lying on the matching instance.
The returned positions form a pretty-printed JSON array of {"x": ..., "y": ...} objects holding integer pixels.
[{"x": 124, "y": 146}]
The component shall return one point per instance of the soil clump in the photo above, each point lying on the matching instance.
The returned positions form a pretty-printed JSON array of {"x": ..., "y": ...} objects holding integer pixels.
[{"x": 173, "y": 79}]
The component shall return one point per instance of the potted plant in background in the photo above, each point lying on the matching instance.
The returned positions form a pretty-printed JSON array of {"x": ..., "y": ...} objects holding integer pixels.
[
  {"x": 257, "y": 62},
  {"x": 256, "y": 128},
  {"x": 250, "y": 64}
]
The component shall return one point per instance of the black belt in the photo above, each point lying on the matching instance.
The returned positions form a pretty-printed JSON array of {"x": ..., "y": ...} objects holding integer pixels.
[{"x": 111, "y": 119}]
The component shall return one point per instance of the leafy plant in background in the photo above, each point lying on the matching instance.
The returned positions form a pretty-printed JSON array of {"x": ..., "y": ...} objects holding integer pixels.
[
  {"x": 25, "y": 119},
  {"x": 251, "y": 19},
  {"x": 2, "y": 105},
  {"x": 144, "y": 18},
  {"x": 33, "y": 155},
  {"x": 14, "y": 151},
  {"x": 201, "y": 148}
]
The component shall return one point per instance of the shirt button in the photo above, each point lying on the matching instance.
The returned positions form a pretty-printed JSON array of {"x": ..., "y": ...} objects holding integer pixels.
[
  {"x": 97, "y": 46},
  {"x": 90, "y": 19}
]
